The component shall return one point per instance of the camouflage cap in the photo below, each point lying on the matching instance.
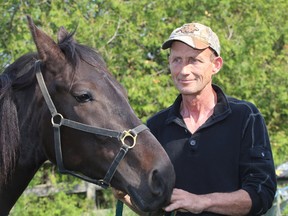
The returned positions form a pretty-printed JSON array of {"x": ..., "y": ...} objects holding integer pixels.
[{"x": 196, "y": 35}]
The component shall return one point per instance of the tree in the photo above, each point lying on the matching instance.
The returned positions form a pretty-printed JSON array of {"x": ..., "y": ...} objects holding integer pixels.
[{"x": 129, "y": 34}]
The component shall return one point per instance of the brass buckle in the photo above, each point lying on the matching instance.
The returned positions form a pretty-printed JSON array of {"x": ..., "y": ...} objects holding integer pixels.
[{"x": 128, "y": 134}]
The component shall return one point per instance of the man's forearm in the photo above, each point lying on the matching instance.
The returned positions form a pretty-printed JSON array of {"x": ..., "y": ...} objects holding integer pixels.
[{"x": 234, "y": 203}]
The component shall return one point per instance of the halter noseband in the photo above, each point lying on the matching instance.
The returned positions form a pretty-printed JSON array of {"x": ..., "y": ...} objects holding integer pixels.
[{"x": 58, "y": 120}]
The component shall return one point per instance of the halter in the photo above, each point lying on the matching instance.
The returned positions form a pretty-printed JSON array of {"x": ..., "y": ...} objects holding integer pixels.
[{"x": 58, "y": 120}]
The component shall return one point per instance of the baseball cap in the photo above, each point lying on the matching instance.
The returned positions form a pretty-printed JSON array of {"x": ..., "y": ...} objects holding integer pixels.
[{"x": 196, "y": 35}]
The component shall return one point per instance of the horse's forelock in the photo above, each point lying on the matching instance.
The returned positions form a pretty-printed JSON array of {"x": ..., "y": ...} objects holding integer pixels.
[
  {"x": 75, "y": 53},
  {"x": 67, "y": 46}
]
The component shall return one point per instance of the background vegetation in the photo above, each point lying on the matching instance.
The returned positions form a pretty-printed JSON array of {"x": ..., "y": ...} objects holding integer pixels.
[{"x": 129, "y": 34}]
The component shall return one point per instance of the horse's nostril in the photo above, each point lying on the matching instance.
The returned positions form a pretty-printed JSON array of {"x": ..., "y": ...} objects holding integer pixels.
[{"x": 156, "y": 183}]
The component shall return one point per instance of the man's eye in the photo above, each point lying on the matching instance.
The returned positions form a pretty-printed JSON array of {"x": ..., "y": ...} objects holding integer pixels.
[
  {"x": 176, "y": 60},
  {"x": 83, "y": 98},
  {"x": 194, "y": 61}
]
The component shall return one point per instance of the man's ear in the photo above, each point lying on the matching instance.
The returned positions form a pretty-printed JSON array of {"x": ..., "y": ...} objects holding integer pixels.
[{"x": 217, "y": 64}]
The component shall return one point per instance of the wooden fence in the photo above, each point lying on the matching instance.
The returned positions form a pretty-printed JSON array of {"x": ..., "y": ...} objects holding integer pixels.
[{"x": 44, "y": 190}]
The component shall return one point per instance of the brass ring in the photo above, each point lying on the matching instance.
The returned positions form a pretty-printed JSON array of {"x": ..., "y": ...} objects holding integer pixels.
[{"x": 127, "y": 134}]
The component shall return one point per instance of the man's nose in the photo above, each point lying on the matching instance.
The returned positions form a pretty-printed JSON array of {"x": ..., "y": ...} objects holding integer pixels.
[{"x": 186, "y": 69}]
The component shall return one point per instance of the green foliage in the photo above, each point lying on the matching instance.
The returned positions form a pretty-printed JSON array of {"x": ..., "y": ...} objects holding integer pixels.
[
  {"x": 60, "y": 204},
  {"x": 129, "y": 34}
]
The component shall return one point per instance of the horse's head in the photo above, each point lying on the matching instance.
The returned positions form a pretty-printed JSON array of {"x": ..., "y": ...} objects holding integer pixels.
[{"x": 83, "y": 91}]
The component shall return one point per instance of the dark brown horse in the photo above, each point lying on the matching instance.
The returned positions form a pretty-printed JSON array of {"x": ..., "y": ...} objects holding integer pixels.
[{"x": 61, "y": 104}]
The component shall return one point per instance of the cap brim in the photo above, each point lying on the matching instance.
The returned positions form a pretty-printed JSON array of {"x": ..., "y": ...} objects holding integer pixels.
[{"x": 190, "y": 41}]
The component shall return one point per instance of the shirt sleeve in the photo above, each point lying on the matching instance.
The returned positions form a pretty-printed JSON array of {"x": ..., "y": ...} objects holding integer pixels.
[{"x": 257, "y": 171}]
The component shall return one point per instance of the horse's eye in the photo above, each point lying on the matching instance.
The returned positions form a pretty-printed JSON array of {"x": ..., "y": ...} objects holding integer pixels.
[{"x": 83, "y": 98}]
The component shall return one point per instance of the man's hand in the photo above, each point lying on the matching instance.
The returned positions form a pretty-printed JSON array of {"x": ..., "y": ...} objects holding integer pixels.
[
  {"x": 234, "y": 203},
  {"x": 186, "y": 202}
]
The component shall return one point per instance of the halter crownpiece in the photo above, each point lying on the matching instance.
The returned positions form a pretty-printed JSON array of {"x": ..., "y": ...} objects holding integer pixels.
[{"x": 57, "y": 120}]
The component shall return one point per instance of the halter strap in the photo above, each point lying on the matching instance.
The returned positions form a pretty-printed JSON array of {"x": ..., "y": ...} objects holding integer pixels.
[{"x": 58, "y": 120}]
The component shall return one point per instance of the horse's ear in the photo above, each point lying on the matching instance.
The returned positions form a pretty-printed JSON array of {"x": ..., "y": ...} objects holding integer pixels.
[
  {"x": 62, "y": 34},
  {"x": 47, "y": 48}
]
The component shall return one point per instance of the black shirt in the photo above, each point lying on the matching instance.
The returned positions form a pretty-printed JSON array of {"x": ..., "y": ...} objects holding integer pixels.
[{"x": 230, "y": 151}]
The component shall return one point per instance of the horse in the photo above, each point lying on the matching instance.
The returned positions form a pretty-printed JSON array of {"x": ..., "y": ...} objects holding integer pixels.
[{"x": 62, "y": 104}]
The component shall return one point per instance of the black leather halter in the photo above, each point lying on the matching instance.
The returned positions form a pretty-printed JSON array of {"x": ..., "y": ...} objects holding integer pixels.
[{"x": 58, "y": 120}]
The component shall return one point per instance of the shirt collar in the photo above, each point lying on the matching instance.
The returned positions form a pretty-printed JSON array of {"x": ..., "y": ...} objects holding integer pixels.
[{"x": 221, "y": 109}]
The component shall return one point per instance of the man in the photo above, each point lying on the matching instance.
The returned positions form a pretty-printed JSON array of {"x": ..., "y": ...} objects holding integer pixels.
[{"x": 218, "y": 145}]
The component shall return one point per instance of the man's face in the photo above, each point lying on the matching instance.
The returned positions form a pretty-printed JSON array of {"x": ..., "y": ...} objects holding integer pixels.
[{"x": 191, "y": 69}]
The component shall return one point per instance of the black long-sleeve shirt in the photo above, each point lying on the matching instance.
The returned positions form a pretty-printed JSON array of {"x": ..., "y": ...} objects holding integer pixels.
[{"x": 230, "y": 151}]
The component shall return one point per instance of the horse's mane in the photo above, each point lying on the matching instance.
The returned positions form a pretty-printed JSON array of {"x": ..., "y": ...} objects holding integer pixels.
[
  {"x": 9, "y": 129},
  {"x": 20, "y": 74},
  {"x": 9, "y": 134}
]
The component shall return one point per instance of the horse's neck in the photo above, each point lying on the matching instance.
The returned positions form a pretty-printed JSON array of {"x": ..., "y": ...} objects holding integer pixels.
[
  {"x": 30, "y": 160},
  {"x": 10, "y": 192},
  {"x": 29, "y": 118}
]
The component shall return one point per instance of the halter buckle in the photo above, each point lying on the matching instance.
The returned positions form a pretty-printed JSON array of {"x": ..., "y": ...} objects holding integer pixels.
[{"x": 128, "y": 135}]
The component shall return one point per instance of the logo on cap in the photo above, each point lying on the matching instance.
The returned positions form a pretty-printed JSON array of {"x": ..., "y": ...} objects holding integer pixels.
[{"x": 187, "y": 29}]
